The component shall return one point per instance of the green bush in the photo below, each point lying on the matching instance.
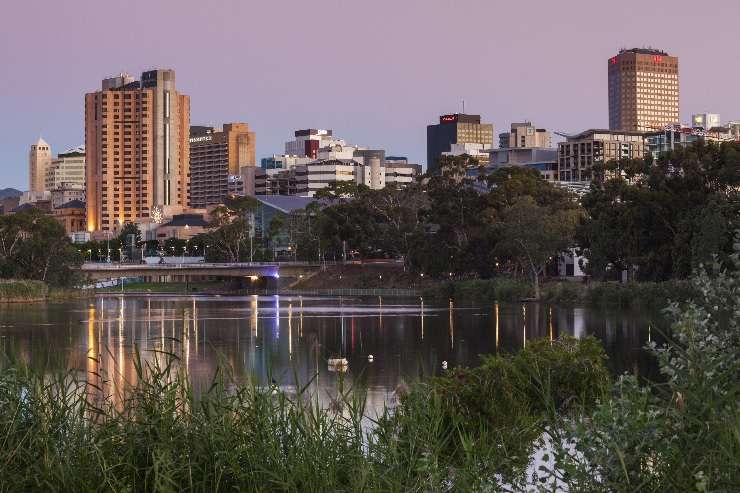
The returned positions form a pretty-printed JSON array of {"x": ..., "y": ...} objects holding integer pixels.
[
  {"x": 680, "y": 435},
  {"x": 22, "y": 290},
  {"x": 639, "y": 294},
  {"x": 485, "y": 421},
  {"x": 496, "y": 289},
  {"x": 563, "y": 292}
]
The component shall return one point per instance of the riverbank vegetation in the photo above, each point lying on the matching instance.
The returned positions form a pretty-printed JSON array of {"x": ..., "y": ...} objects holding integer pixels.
[
  {"x": 549, "y": 417},
  {"x": 644, "y": 220},
  {"x": 640, "y": 295},
  {"x": 13, "y": 291},
  {"x": 34, "y": 246}
]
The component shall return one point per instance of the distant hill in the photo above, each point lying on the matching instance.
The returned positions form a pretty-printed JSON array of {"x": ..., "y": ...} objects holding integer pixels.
[{"x": 9, "y": 192}]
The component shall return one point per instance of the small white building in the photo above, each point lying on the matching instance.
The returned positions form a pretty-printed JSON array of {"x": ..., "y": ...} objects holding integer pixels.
[{"x": 569, "y": 264}]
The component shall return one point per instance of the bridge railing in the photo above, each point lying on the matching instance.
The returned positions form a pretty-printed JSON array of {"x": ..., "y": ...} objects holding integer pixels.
[{"x": 202, "y": 265}]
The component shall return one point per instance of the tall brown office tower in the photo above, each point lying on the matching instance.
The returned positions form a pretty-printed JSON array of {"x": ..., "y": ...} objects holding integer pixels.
[
  {"x": 137, "y": 150},
  {"x": 643, "y": 90},
  {"x": 215, "y": 155}
]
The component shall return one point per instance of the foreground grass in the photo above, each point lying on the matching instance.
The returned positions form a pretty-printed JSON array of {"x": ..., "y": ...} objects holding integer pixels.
[{"x": 60, "y": 432}]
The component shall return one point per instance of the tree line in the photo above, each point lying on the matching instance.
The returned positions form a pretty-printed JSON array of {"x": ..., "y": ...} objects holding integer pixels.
[
  {"x": 655, "y": 219},
  {"x": 658, "y": 219}
]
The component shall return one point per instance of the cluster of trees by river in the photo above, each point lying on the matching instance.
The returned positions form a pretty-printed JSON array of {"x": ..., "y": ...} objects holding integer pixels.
[{"x": 656, "y": 219}]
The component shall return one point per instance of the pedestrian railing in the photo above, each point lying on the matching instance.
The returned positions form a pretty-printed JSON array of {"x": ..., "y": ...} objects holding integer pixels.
[{"x": 348, "y": 292}]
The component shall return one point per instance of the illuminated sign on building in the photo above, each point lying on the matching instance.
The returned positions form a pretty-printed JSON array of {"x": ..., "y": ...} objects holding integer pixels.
[
  {"x": 203, "y": 138},
  {"x": 448, "y": 118}
]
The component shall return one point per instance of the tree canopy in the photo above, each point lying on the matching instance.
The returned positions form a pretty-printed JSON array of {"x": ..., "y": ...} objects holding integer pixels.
[
  {"x": 664, "y": 217},
  {"x": 35, "y": 246}
]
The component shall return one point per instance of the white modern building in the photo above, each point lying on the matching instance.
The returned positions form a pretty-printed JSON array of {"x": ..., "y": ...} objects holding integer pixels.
[
  {"x": 67, "y": 170},
  {"x": 476, "y": 150},
  {"x": 545, "y": 160},
  {"x": 307, "y": 142},
  {"x": 706, "y": 121}
]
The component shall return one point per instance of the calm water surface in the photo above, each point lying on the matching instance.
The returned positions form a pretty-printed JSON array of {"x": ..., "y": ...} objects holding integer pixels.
[{"x": 284, "y": 338}]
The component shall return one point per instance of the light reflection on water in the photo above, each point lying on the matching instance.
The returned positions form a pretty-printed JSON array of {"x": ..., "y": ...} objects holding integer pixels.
[{"x": 289, "y": 339}]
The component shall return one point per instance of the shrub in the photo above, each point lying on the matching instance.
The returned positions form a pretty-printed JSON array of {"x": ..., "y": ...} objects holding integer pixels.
[
  {"x": 681, "y": 435},
  {"x": 496, "y": 289},
  {"x": 486, "y": 420},
  {"x": 22, "y": 290}
]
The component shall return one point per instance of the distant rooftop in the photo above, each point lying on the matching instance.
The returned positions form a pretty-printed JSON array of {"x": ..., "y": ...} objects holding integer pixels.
[
  {"x": 187, "y": 220},
  {"x": 285, "y": 203},
  {"x": 74, "y": 151},
  {"x": 72, "y": 204},
  {"x": 590, "y": 131},
  {"x": 643, "y": 51}
]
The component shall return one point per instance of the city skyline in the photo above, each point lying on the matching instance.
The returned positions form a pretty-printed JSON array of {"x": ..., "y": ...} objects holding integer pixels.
[{"x": 333, "y": 66}]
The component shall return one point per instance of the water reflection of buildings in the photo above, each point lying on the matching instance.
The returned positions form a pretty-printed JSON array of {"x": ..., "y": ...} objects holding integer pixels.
[{"x": 289, "y": 339}]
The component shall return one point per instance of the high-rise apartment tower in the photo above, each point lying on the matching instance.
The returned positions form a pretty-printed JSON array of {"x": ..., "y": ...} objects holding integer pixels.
[
  {"x": 643, "y": 90},
  {"x": 215, "y": 155},
  {"x": 137, "y": 150}
]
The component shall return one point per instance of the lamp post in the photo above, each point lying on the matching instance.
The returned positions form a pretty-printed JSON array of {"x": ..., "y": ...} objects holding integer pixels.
[{"x": 107, "y": 236}]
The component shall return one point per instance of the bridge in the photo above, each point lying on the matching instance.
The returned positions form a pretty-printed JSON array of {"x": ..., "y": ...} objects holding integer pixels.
[{"x": 189, "y": 271}]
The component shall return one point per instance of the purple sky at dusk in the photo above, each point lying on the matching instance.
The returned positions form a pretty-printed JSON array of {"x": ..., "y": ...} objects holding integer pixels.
[{"x": 376, "y": 72}]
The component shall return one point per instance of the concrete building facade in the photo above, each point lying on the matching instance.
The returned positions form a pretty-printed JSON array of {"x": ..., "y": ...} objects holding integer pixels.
[
  {"x": 67, "y": 170},
  {"x": 215, "y": 155},
  {"x": 63, "y": 194},
  {"x": 643, "y": 90},
  {"x": 71, "y": 215},
  {"x": 452, "y": 129},
  {"x": 39, "y": 162},
  {"x": 706, "y": 121},
  {"x": 137, "y": 149},
  {"x": 580, "y": 152},
  {"x": 308, "y": 141},
  {"x": 543, "y": 159},
  {"x": 524, "y": 135}
]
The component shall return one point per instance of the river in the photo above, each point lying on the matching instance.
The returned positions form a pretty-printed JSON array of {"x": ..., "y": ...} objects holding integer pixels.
[{"x": 282, "y": 339}]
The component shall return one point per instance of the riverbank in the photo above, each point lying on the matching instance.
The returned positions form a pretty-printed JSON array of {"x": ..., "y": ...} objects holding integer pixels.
[
  {"x": 642, "y": 295},
  {"x": 202, "y": 287},
  {"x": 28, "y": 291},
  {"x": 391, "y": 277},
  {"x": 22, "y": 291}
]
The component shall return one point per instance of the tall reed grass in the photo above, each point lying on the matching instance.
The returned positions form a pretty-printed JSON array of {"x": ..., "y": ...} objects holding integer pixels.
[{"x": 468, "y": 430}]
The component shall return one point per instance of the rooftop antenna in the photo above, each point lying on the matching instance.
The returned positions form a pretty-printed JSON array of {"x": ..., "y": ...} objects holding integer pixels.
[{"x": 463, "y": 106}]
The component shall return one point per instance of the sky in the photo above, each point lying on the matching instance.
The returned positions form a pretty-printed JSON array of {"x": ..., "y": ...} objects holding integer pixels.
[{"x": 376, "y": 72}]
